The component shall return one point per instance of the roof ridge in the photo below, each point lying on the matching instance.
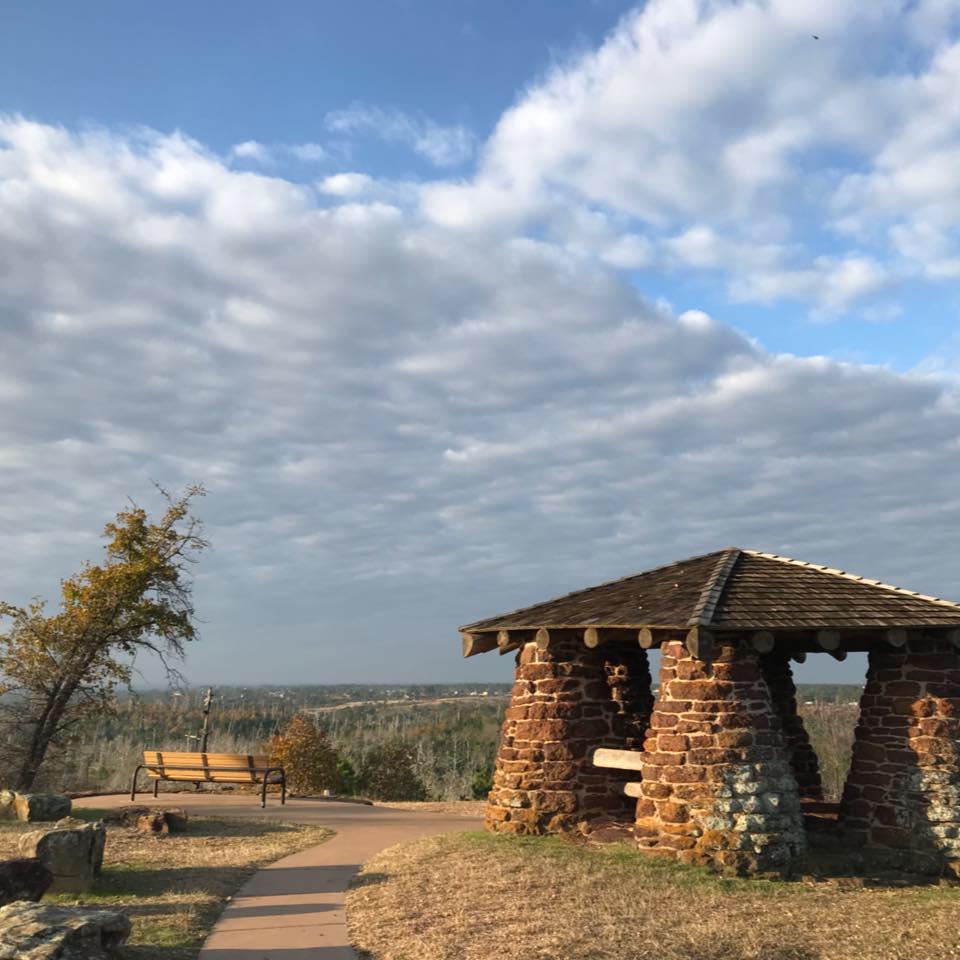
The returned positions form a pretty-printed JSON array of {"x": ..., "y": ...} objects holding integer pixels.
[
  {"x": 710, "y": 595},
  {"x": 606, "y": 583},
  {"x": 854, "y": 577}
]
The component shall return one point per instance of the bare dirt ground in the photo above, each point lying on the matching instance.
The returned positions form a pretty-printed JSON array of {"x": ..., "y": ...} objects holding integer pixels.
[{"x": 476, "y": 896}]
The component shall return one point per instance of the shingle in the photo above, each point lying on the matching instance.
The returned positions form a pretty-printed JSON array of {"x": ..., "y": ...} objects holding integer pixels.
[{"x": 736, "y": 589}]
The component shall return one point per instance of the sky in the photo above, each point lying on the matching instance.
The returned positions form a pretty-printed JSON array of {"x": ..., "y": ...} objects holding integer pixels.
[{"x": 457, "y": 306}]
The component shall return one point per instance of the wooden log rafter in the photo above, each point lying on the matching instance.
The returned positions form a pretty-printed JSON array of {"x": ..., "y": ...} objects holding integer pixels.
[{"x": 700, "y": 640}]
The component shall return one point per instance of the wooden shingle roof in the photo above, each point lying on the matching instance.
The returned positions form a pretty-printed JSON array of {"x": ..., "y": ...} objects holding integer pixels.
[{"x": 735, "y": 589}]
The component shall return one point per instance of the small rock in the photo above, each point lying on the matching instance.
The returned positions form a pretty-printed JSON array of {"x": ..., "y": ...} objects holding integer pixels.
[
  {"x": 23, "y": 879},
  {"x": 34, "y": 931},
  {"x": 41, "y": 807},
  {"x": 8, "y": 810},
  {"x": 73, "y": 854}
]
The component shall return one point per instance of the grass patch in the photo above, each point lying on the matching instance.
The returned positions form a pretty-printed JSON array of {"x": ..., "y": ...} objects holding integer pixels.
[
  {"x": 474, "y": 896},
  {"x": 175, "y": 887}
]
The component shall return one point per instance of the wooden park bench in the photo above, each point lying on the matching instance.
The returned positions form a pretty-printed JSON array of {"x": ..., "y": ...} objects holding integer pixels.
[{"x": 200, "y": 768}]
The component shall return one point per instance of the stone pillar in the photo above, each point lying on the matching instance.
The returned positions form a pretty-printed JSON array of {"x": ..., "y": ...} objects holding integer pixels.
[
  {"x": 567, "y": 700},
  {"x": 783, "y": 693},
  {"x": 717, "y": 785},
  {"x": 903, "y": 790}
]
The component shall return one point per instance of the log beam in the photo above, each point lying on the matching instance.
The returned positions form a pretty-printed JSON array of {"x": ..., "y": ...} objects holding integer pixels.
[
  {"x": 474, "y": 643},
  {"x": 699, "y": 643},
  {"x": 762, "y": 641},
  {"x": 633, "y": 789},
  {"x": 594, "y": 637},
  {"x": 828, "y": 639},
  {"x": 896, "y": 637}
]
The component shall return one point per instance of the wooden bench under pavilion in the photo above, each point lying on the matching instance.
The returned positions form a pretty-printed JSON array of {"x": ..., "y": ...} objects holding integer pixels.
[{"x": 719, "y": 762}]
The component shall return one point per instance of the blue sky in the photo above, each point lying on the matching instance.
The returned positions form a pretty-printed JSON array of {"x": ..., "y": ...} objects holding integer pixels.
[{"x": 457, "y": 306}]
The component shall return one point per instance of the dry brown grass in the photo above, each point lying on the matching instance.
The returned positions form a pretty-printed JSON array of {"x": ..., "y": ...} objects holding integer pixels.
[
  {"x": 477, "y": 897},
  {"x": 457, "y": 808},
  {"x": 174, "y": 887}
]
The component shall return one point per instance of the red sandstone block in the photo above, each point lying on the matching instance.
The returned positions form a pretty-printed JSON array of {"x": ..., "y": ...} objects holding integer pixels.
[
  {"x": 672, "y": 743},
  {"x": 646, "y": 829},
  {"x": 700, "y": 740},
  {"x": 739, "y": 672},
  {"x": 656, "y": 791},
  {"x": 895, "y": 837},
  {"x": 940, "y": 727},
  {"x": 692, "y": 670},
  {"x": 565, "y": 750},
  {"x": 903, "y": 688},
  {"x": 589, "y": 729},
  {"x": 940, "y": 662},
  {"x": 673, "y": 706},
  {"x": 682, "y": 774},
  {"x": 662, "y": 721},
  {"x": 673, "y": 842},
  {"x": 701, "y": 690},
  {"x": 694, "y": 726},
  {"x": 674, "y": 812},
  {"x": 542, "y": 729},
  {"x": 646, "y": 808},
  {"x": 655, "y": 759},
  {"x": 868, "y": 751},
  {"x": 736, "y": 738}
]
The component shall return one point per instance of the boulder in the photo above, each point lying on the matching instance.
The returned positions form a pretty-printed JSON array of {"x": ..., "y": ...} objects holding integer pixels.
[
  {"x": 72, "y": 852},
  {"x": 23, "y": 879},
  {"x": 149, "y": 819},
  {"x": 41, "y": 807},
  {"x": 35, "y": 931}
]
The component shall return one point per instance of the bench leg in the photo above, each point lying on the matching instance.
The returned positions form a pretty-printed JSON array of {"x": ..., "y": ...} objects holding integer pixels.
[
  {"x": 156, "y": 788},
  {"x": 283, "y": 789},
  {"x": 263, "y": 792},
  {"x": 133, "y": 783}
]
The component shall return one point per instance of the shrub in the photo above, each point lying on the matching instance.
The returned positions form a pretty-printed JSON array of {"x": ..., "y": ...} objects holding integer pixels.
[
  {"x": 482, "y": 782},
  {"x": 307, "y": 756},
  {"x": 387, "y": 773}
]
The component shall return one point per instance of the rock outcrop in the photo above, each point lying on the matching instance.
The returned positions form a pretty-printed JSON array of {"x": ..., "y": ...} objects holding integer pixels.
[
  {"x": 34, "y": 931},
  {"x": 25, "y": 878},
  {"x": 72, "y": 851}
]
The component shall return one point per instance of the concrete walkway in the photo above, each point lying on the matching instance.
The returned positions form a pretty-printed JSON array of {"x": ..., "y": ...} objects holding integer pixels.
[{"x": 295, "y": 908}]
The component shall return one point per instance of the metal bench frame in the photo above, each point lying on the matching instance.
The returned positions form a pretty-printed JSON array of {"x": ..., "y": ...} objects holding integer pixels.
[{"x": 157, "y": 774}]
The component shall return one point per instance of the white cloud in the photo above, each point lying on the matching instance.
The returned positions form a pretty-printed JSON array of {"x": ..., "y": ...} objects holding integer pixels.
[
  {"x": 403, "y": 424},
  {"x": 347, "y": 184},
  {"x": 267, "y": 154},
  {"x": 731, "y": 140},
  {"x": 251, "y": 150},
  {"x": 443, "y": 146}
]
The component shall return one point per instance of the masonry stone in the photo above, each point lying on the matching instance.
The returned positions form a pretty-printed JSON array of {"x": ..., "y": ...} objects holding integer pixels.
[
  {"x": 567, "y": 700},
  {"x": 903, "y": 790},
  {"x": 742, "y": 803}
]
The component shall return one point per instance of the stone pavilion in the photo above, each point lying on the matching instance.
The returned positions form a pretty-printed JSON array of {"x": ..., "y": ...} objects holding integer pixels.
[{"x": 721, "y": 768}]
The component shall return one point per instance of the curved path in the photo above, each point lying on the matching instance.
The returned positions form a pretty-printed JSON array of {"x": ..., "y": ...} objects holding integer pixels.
[{"x": 295, "y": 908}]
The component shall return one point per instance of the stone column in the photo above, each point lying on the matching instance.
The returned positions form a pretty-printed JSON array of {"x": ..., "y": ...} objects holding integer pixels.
[
  {"x": 903, "y": 790},
  {"x": 779, "y": 678},
  {"x": 717, "y": 786},
  {"x": 567, "y": 700}
]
